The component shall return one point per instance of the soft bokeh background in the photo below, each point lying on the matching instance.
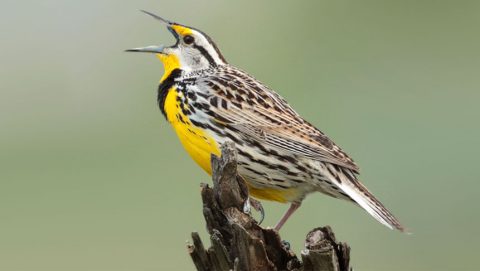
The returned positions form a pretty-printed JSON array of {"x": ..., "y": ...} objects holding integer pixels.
[{"x": 93, "y": 178}]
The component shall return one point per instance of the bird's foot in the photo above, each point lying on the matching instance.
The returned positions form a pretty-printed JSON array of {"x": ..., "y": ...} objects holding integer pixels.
[
  {"x": 257, "y": 205},
  {"x": 286, "y": 244}
]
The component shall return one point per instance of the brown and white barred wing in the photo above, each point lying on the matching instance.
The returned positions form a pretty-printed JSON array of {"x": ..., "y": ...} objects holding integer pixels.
[{"x": 242, "y": 101}]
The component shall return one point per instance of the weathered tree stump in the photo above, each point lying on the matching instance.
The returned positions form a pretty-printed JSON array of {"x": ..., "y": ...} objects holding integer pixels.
[{"x": 239, "y": 243}]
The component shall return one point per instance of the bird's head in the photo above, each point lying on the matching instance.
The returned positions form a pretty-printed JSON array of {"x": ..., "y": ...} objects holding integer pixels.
[{"x": 193, "y": 50}]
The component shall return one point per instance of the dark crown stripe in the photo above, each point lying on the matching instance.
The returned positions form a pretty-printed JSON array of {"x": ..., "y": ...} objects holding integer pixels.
[{"x": 211, "y": 42}]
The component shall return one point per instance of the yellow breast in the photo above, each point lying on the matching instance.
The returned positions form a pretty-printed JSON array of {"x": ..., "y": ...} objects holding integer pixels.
[
  {"x": 200, "y": 146},
  {"x": 197, "y": 142}
]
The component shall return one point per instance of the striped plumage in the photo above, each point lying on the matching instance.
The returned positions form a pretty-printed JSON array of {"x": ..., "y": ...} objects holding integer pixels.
[{"x": 281, "y": 156}]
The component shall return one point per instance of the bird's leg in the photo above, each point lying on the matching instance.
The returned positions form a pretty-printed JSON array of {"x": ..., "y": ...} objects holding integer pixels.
[
  {"x": 293, "y": 207},
  {"x": 257, "y": 205}
]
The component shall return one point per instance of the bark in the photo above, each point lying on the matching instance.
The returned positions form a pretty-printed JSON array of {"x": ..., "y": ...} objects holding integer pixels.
[{"x": 239, "y": 243}]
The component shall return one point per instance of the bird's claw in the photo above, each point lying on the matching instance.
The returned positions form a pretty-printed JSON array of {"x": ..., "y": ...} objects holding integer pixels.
[
  {"x": 286, "y": 244},
  {"x": 247, "y": 208}
]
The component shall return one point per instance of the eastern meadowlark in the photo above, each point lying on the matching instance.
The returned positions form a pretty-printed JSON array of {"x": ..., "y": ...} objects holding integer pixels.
[{"x": 281, "y": 156}]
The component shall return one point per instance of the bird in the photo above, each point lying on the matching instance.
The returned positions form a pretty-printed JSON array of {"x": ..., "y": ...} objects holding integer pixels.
[{"x": 281, "y": 156}]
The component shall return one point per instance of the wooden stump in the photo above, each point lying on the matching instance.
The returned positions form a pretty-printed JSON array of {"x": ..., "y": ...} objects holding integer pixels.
[{"x": 239, "y": 243}]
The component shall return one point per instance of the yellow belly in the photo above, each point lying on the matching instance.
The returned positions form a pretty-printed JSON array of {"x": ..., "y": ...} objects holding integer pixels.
[
  {"x": 198, "y": 143},
  {"x": 200, "y": 146},
  {"x": 279, "y": 195}
]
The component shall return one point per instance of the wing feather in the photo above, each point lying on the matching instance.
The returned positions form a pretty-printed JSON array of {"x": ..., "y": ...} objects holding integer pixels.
[{"x": 256, "y": 111}]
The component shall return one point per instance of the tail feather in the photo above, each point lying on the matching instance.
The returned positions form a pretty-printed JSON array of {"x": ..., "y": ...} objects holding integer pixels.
[
  {"x": 349, "y": 184},
  {"x": 360, "y": 194}
]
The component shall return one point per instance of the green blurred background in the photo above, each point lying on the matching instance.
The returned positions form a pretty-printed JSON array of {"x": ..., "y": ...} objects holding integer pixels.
[{"x": 93, "y": 178}]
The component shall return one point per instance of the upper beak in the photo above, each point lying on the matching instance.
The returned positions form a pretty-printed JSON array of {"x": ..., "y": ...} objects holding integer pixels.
[
  {"x": 157, "y": 49},
  {"x": 157, "y": 17}
]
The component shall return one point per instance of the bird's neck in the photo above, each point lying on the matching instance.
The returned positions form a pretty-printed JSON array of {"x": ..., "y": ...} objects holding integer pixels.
[{"x": 170, "y": 63}]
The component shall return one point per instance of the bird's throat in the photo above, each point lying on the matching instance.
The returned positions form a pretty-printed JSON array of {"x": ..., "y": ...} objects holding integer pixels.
[{"x": 170, "y": 63}]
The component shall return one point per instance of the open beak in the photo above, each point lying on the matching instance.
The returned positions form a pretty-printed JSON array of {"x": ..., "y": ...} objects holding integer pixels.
[{"x": 156, "y": 49}]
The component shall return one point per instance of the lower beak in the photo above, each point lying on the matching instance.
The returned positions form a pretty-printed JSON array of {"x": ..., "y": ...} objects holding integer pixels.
[{"x": 149, "y": 49}]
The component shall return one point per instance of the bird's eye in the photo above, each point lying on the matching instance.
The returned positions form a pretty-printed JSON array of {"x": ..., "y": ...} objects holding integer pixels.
[{"x": 188, "y": 39}]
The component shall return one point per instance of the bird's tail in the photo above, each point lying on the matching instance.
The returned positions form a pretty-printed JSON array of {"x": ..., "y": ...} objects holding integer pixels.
[{"x": 348, "y": 182}]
